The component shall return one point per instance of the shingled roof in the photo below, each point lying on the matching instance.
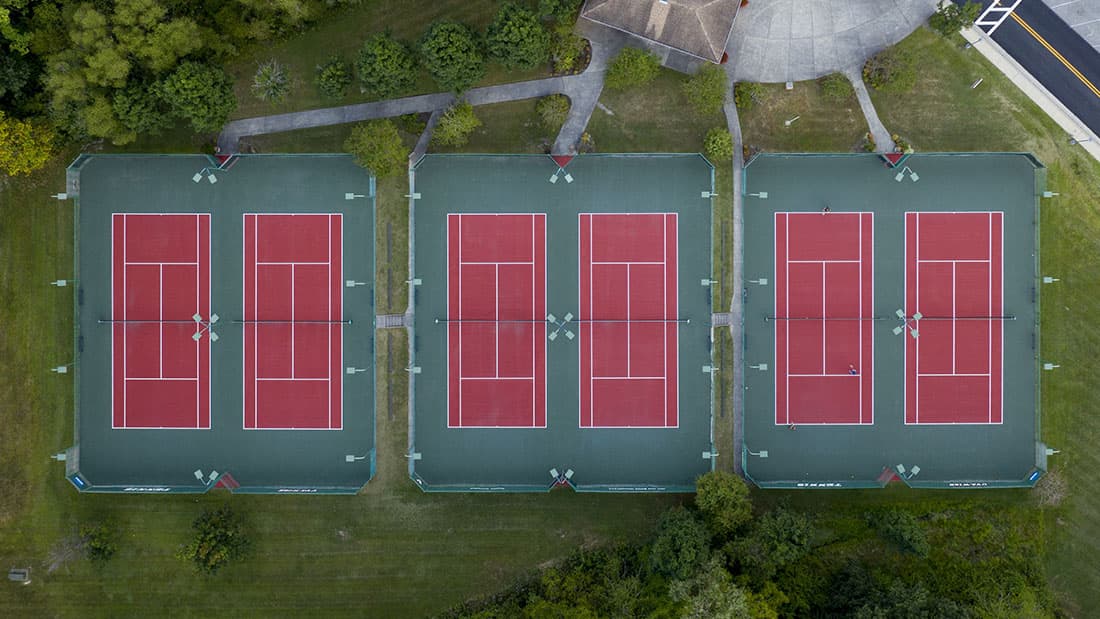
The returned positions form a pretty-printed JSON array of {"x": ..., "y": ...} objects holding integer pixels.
[{"x": 697, "y": 27}]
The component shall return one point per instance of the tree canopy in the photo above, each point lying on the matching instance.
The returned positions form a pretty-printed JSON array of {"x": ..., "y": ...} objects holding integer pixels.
[
  {"x": 201, "y": 94},
  {"x": 517, "y": 38},
  {"x": 377, "y": 146},
  {"x": 450, "y": 52},
  {"x": 386, "y": 66},
  {"x": 632, "y": 67},
  {"x": 25, "y": 145}
]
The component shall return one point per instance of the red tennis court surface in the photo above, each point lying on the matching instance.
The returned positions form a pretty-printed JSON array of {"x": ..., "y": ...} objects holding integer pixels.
[
  {"x": 953, "y": 278},
  {"x": 293, "y": 334},
  {"x": 824, "y": 335},
  {"x": 496, "y": 273},
  {"x": 160, "y": 278},
  {"x": 628, "y": 279}
]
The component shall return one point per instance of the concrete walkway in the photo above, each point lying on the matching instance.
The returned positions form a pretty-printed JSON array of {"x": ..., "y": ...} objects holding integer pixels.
[
  {"x": 795, "y": 40},
  {"x": 583, "y": 91},
  {"x": 883, "y": 142},
  {"x": 736, "y": 315}
]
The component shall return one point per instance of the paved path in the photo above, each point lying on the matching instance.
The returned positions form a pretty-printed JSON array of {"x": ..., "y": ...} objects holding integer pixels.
[
  {"x": 883, "y": 142},
  {"x": 737, "y": 318},
  {"x": 584, "y": 89},
  {"x": 794, "y": 40}
]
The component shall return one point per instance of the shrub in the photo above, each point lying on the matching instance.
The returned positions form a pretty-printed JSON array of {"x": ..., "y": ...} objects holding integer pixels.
[
  {"x": 517, "y": 38},
  {"x": 745, "y": 95},
  {"x": 950, "y": 18},
  {"x": 836, "y": 87},
  {"x": 451, "y": 54},
  {"x": 455, "y": 125},
  {"x": 901, "y": 528},
  {"x": 377, "y": 146},
  {"x": 681, "y": 546},
  {"x": 140, "y": 110},
  {"x": 386, "y": 67},
  {"x": 566, "y": 50},
  {"x": 220, "y": 538},
  {"x": 706, "y": 90},
  {"x": 722, "y": 497},
  {"x": 334, "y": 77},
  {"x": 411, "y": 123},
  {"x": 271, "y": 82},
  {"x": 552, "y": 111},
  {"x": 891, "y": 70},
  {"x": 632, "y": 67},
  {"x": 99, "y": 542}
]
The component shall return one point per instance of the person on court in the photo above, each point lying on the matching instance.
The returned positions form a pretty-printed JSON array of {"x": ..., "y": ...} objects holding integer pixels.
[{"x": 852, "y": 370}]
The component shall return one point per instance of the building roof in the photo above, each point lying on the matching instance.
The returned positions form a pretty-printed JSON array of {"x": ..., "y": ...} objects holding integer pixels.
[{"x": 698, "y": 27}]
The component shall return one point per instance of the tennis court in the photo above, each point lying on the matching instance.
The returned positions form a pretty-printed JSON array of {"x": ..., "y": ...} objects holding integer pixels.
[
  {"x": 824, "y": 341},
  {"x": 891, "y": 320},
  {"x": 160, "y": 280},
  {"x": 555, "y": 341},
  {"x": 225, "y": 324}
]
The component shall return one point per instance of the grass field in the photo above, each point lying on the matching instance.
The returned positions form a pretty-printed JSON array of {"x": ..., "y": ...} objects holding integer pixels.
[
  {"x": 343, "y": 32},
  {"x": 822, "y": 125}
]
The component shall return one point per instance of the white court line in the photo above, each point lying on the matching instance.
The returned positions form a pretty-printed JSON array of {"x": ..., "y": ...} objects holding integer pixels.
[
  {"x": 628, "y": 378},
  {"x": 180, "y": 263},
  {"x": 825, "y": 261},
  {"x": 160, "y": 378},
  {"x": 504, "y": 261},
  {"x": 496, "y": 378},
  {"x": 291, "y": 263},
  {"x": 628, "y": 262},
  {"x": 947, "y": 261},
  {"x": 923, "y": 374}
]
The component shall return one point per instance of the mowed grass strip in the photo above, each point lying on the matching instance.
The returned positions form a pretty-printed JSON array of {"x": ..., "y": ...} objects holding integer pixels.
[
  {"x": 819, "y": 125},
  {"x": 343, "y": 32}
]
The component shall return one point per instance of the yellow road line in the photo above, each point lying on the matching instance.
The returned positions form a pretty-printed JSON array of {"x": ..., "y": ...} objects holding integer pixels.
[{"x": 1056, "y": 54}]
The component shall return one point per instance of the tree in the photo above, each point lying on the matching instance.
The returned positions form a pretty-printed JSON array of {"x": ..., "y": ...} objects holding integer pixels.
[
  {"x": 200, "y": 93},
  {"x": 552, "y": 111},
  {"x": 455, "y": 125},
  {"x": 778, "y": 538},
  {"x": 950, "y": 18},
  {"x": 718, "y": 146},
  {"x": 891, "y": 70},
  {"x": 706, "y": 90},
  {"x": 681, "y": 545},
  {"x": 377, "y": 146},
  {"x": 836, "y": 87},
  {"x": 99, "y": 541},
  {"x": 271, "y": 82},
  {"x": 386, "y": 66},
  {"x": 711, "y": 594},
  {"x": 18, "y": 77},
  {"x": 25, "y": 145},
  {"x": 334, "y": 77},
  {"x": 451, "y": 54},
  {"x": 632, "y": 67},
  {"x": 220, "y": 538},
  {"x": 722, "y": 497},
  {"x": 516, "y": 38}
]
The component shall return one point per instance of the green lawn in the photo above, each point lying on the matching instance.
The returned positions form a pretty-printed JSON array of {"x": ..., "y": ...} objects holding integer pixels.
[
  {"x": 650, "y": 118},
  {"x": 511, "y": 127},
  {"x": 822, "y": 125},
  {"x": 343, "y": 32}
]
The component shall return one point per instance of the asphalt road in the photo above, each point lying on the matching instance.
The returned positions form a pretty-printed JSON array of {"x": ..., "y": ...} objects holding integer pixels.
[{"x": 1077, "y": 86}]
